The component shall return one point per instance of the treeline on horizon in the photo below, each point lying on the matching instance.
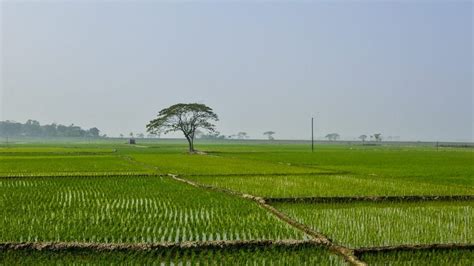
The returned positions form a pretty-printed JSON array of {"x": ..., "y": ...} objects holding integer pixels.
[{"x": 33, "y": 128}]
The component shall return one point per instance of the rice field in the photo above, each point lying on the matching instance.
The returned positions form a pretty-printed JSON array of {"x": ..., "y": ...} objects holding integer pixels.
[
  {"x": 320, "y": 185},
  {"x": 128, "y": 210},
  {"x": 405, "y": 163},
  {"x": 63, "y": 165},
  {"x": 111, "y": 193},
  {"x": 44, "y": 151},
  {"x": 196, "y": 165},
  {"x": 387, "y": 224},
  {"x": 462, "y": 257}
]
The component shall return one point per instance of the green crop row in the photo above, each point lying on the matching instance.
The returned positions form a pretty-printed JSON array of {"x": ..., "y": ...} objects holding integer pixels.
[
  {"x": 420, "y": 258},
  {"x": 448, "y": 167},
  {"x": 75, "y": 174},
  {"x": 48, "y": 150},
  {"x": 384, "y": 224},
  {"x": 327, "y": 185},
  {"x": 241, "y": 256},
  {"x": 128, "y": 209},
  {"x": 186, "y": 164},
  {"x": 15, "y": 165}
]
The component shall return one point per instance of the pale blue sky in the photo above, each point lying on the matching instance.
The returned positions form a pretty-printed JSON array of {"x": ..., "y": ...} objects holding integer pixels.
[{"x": 400, "y": 68}]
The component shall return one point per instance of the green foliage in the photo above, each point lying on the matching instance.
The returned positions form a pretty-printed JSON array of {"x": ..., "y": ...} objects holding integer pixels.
[
  {"x": 128, "y": 209},
  {"x": 187, "y": 118},
  {"x": 32, "y": 128},
  {"x": 384, "y": 224}
]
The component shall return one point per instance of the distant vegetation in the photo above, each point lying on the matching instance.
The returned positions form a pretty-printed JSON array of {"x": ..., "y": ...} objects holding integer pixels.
[
  {"x": 333, "y": 136},
  {"x": 269, "y": 134},
  {"x": 33, "y": 128}
]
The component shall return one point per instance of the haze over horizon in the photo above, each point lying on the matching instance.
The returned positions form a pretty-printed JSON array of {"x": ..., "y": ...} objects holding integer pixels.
[{"x": 399, "y": 68}]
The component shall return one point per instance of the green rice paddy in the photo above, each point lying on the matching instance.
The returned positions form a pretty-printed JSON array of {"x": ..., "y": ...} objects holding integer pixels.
[
  {"x": 387, "y": 224},
  {"x": 109, "y": 192}
]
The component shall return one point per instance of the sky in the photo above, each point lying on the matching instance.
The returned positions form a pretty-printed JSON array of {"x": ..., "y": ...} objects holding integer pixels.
[{"x": 400, "y": 68}]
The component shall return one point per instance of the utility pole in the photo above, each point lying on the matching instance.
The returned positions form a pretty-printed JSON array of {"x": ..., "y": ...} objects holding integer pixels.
[{"x": 312, "y": 134}]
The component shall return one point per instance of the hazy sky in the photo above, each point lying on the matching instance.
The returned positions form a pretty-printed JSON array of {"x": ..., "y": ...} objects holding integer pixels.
[{"x": 400, "y": 68}]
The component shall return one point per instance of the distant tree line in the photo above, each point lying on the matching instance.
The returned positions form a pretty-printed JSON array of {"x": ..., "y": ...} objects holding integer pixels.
[{"x": 33, "y": 128}]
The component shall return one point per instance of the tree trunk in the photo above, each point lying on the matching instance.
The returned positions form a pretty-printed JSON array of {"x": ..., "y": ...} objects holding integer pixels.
[{"x": 190, "y": 144}]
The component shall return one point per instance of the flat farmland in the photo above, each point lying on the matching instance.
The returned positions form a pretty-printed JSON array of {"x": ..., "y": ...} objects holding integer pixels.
[
  {"x": 41, "y": 165},
  {"x": 155, "y": 193},
  {"x": 422, "y": 257},
  {"x": 321, "y": 185},
  {"x": 198, "y": 165},
  {"x": 388, "y": 224},
  {"x": 414, "y": 163},
  {"x": 128, "y": 210}
]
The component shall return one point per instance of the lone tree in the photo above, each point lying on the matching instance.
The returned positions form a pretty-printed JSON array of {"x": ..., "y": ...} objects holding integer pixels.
[
  {"x": 378, "y": 137},
  {"x": 187, "y": 118},
  {"x": 242, "y": 135},
  {"x": 363, "y": 137},
  {"x": 270, "y": 134},
  {"x": 332, "y": 136}
]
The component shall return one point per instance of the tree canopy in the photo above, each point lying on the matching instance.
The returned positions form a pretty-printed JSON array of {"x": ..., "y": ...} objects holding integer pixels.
[
  {"x": 333, "y": 136},
  {"x": 33, "y": 128},
  {"x": 187, "y": 118},
  {"x": 269, "y": 134},
  {"x": 378, "y": 137},
  {"x": 242, "y": 135}
]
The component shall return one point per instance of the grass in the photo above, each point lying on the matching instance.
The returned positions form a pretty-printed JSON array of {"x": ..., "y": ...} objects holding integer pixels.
[
  {"x": 242, "y": 256},
  {"x": 128, "y": 210},
  {"x": 384, "y": 224},
  {"x": 421, "y": 257},
  {"x": 327, "y": 185}
]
